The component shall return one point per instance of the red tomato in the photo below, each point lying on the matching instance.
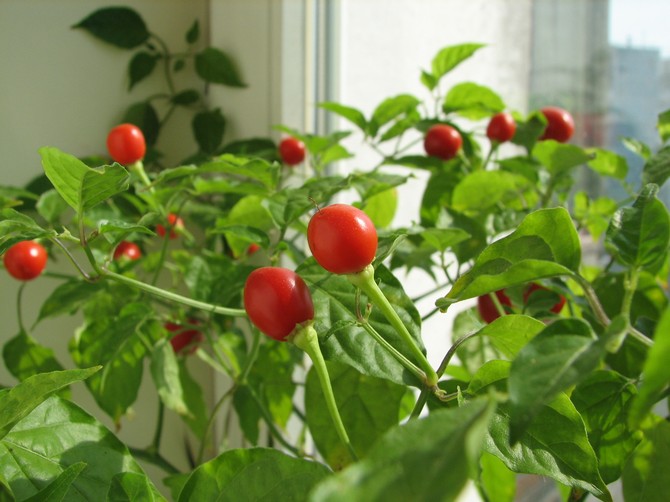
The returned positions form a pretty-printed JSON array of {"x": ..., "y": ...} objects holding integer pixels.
[
  {"x": 487, "y": 309},
  {"x": 186, "y": 339},
  {"x": 25, "y": 260},
  {"x": 501, "y": 127},
  {"x": 126, "y": 144},
  {"x": 442, "y": 141},
  {"x": 276, "y": 300},
  {"x": 560, "y": 125},
  {"x": 127, "y": 250},
  {"x": 174, "y": 223},
  {"x": 342, "y": 238},
  {"x": 292, "y": 151},
  {"x": 558, "y": 306}
]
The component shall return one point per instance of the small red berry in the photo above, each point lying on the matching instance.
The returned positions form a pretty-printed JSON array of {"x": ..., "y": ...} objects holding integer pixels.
[
  {"x": 126, "y": 144},
  {"x": 25, "y": 260},
  {"x": 292, "y": 151},
  {"x": 442, "y": 141},
  {"x": 501, "y": 127},
  {"x": 174, "y": 223},
  {"x": 127, "y": 250}
]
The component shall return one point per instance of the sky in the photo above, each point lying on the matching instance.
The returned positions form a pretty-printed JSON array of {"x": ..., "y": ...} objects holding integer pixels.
[{"x": 640, "y": 23}]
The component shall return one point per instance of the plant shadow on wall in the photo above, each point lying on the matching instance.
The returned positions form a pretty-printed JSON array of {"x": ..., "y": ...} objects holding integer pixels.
[{"x": 561, "y": 366}]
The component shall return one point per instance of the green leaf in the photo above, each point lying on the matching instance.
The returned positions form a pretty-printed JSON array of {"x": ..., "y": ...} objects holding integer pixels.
[
  {"x": 545, "y": 244},
  {"x": 67, "y": 298},
  {"x": 603, "y": 399},
  {"x": 165, "y": 372},
  {"x": 528, "y": 131},
  {"x": 448, "y": 58},
  {"x": 25, "y": 357},
  {"x": 472, "y": 101},
  {"x": 54, "y": 436},
  {"x": 481, "y": 191},
  {"x": 254, "y": 169},
  {"x": 497, "y": 481},
  {"x": 140, "y": 67},
  {"x": 131, "y": 487},
  {"x": 444, "y": 238},
  {"x": 144, "y": 116},
  {"x": 368, "y": 406},
  {"x": 560, "y": 356},
  {"x": 353, "y": 115},
  {"x": 81, "y": 186},
  {"x": 21, "y": 400},
  {"x": 15, "y": 227},
  {"x": 510, "y": 333},
  {"x": 559, "y": 158},
  {"x": 657, "y": 168},
  {"x": 656, "y": 371},
  {"x": 198, "y": 416},
  {"x": 247, "y": 212},
  {"x": 639, "y": 236},
  {"x": 6, "y": 494},
  {"x": 390, "y": 109},
  {"x": 335, "y": 303},
  {"x": 428, "y": 80},
  {"x": 663, "y": 125},
  {"x": 58, "y": 488},
  {"x": 106, "y": 227},
  {"x": 215, "y": 66},
  {"x": 637, "y": 147},
  {"x": 187, "y": 97},
  {"x": 193, "y": 33},
  {"x": 119, "y": 26},
  {"x": 426, "y": 459},
  {"x": 51, "y": 206},
  {"x": 381, "y": 207},
  {"x": 253, "y": 474},
  {"x": 208, "y": 129},
  {"x": 645, "y": 475},
  {"x": 608, "y": 163}
]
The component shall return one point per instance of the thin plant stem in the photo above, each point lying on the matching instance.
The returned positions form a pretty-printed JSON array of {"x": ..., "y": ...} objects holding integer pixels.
[
  {"x": 269, "y": 421},
  {"x": 154, "y": 458},
  {"x": 156, "y": 442},
  {"x": 19, "y": 315},
  {"x": 210, "y": 422}
]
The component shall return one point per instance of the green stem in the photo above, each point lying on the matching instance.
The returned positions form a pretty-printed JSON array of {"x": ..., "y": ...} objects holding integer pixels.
[
  {"x": 365, "y": 280},
  {"x": 155, "y": 459},
  {"x": 630, "y": 285},
  {"x": 271, "y": 423},
  {"x": 19, "y": 316},
  {"x": 168, "y": 295},
  {"x": 74, "y": 262},
  {"x": 432, "y": 291},
  {"x": 167, "y": 58},
  {"x": 306, "y": 339},
  {"x": 494, "y": 147},
  {"x": 156, "y": 442},
  {"x": 210, "y": 422},
  {"x": 161, "y": 258},
  {"x": 251, "y": 359},
  {"x": 496, "y": 302},
  {"x": 593, "y": 300}
]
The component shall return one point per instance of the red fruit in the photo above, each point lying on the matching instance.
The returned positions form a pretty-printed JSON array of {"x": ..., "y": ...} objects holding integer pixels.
[
  {"x": 276, "y": 300},
  {"x": 186, "y": 339},
  {"x": 558, "y": 306},
  {"x": 253, "y": 247},
  {"x": 174, "y": 222},
  {"x": 560, "y": 125},
  {"x": 292, "y": 151},
  {"x": 442, "y": 141},
  {"x": 342, "y": 238},
  {"x": 127, "y": 250},
  {"x": 487, "y": 309},
  {"x": 126, "y": 144},
  {"x": 501, "y": 127},
  {"x": 25, "y": 260}
]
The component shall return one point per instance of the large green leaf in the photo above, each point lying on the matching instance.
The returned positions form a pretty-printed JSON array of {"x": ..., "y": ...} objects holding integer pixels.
[
  {"x": 55, "y": 436},
  {"x": 472, "y": 101},
  {"x": 603, "y": 399},
  {"x": 657, "y": 167},
  {"x": 639, "y": 236},
  {"x": 391, "y": 109},
  {"x": 645, "y": 477},
  {"x": 496, "y": 481},
  {"x": 368, "y": 406},
  {"x": 253, "y": 474},
  {"x": 481, "y": 191},
  {"x": 25, "y": 357},
  {"x": 80, "y": 186},
  {"x": 510, "y": 333},
  {"x": 214, "y": 65},
  {"x": 560, "y": 356},
  {"x": 427, "y": 459},
  {"x": 67, "y": 298},
  {"x": 656, "y": 372},
  {"x": 119, "y": 26},
  {"x": 19, "y": 401},
  {"x": 545, "y": 244},
  {"x": 59, "y": 487},
  {"x": 353, "y": 115},
  {"x": 560, "y": 157},
  {"x": 608, "y": 163},
  {"x": 335, "y": 307}
]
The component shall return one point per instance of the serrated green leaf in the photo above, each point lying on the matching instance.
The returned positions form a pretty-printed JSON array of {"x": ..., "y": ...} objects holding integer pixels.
[
  {"x": 427, "y": 459},
  {"x": 368, "y": 406},
  {"x": 472, "y": 101},
  {"x": 119, "y": 26},
  {"x": 253, "y": 474},
  {"x": 545, "y": 244},
  {"x": 215, "y": 66},
  {"x": 81, "y": 186},
  {"x": 639, "y": 236}
]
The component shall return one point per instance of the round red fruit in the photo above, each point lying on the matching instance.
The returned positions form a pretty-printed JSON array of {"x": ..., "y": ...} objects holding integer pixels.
[
  {"x": 25, "y": 260},
  {"x": 442, "y": 141},
  {"x": 342, "y": 238},
  {"x": 186, "y": 339},
  {"x": 487, "y": 309},
  {"x": 253, "y": 247},
  {"x": 277, "y": 300},
  {"x": 174, "y": 223},
  {"x": 560, "y": 125},
  {"x": 292, "y": 151},
  {"x": 125, "y": 144},
  {"x": 127, "y": 250},
  {"x": 556, "y": 308},
  {"x": 501, "y": 127}
]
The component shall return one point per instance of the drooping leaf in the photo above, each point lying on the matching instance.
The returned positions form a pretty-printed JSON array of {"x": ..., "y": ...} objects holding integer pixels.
[
  {"x": 208, "y": 129},
  {"x": 119, "y": 26},
  {"x": 253, "y": 474},
  {"x": 81, "y": 186},
  {"x": 545, "y": 244},
  {"x": 215, "y": 66},
  {"x": 140, "y": 67},
  {"x": 426, "y": 459}
]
